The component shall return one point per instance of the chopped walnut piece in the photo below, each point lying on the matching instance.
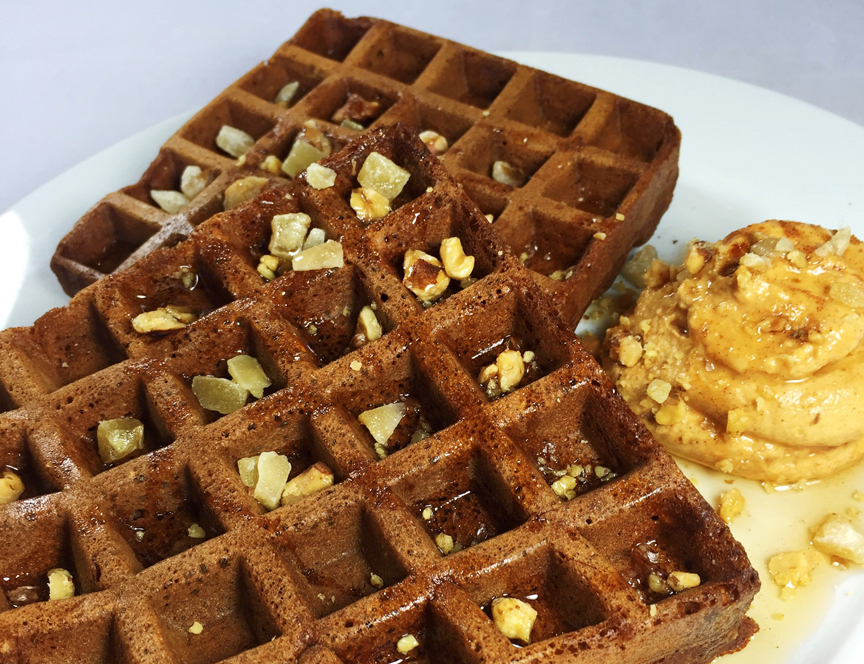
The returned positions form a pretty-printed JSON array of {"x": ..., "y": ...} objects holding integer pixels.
[
  {"x": 837, "y": 536},
  {"x": 382, "y": 421},
  {"x": 627, "y": 351},
  {"x": 312, "y": 480},
  {"x": 193, "y": 181},
  {"x": 406, "y": 644},
  {"x": 697, "y": 256},
  {"x": 11, "y": 487},
  {"x": 248, "y": 373},
  {"x": 382, "y": 175},
  {"x": 288, "y": 231},
  {"x": 368, "y": 326},
  {"x": 248, "y": 469},
  {"x": 565, "y": 487},
  {"x": 513, "y": 618},
  {"x": 681, "y": 581},
  {"x": 320, "y": 177},
  {"x": 436, "y": 143},
  {"x": 444, "y": 542},
  {"x": 272, "y": 164},
  {"x": 196, "y": 532},
  {"x": 219, "y": 394},
  {"x": 188, "y": 278},
  {"x": 60, "y": 584},
  {"x": 241, "y": 191},
  {"x": 793, "y": 568},
  {"x": 163, "y": 319},
  {"x": 273, "y": 471},
  {"x": 837, "y": 245},
  {"x": 511, "y": 369},
  {"x": 731, "y": 505},
  {"x": 424, "y": 275},
  {"x": 268, "y": 266},
  {"x": 487, "y": 373},
  {"x": 316, "y": 236},
  {"x": 170, "y": 201},
  {"x": 658, "y": 274},
  {"x": 457, "y": 264},
  {"x": 670, "y": 413},
  {"x": 235, "y": 142},
  {"x": 300, "y": 157},
  {"x": 286, "y": 94},
  {"x": 659, "y": 390},
  {"x": 507, "y": 174},
  {"x": 603, "y": 473},
  {"x": 324, "y": 256},
  {"x": 764, "y": 247},
  {"x": 368, "y": 204},
  {"x": 119, "y": 438},
  {"x": 357, "y": 110},
  {"x": 754, "y": 262},
  {"x": 797, "y": 258},
  {"x": 313, "y": 135}
]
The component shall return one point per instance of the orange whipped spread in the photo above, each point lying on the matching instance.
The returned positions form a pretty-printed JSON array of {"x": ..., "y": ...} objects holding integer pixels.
[{"x": 748, "y": 358}]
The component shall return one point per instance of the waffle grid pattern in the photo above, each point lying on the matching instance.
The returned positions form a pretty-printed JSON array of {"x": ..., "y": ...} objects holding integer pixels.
[
  {"x": 295, "y": 584},
  {"x": 597, "y": 163}
]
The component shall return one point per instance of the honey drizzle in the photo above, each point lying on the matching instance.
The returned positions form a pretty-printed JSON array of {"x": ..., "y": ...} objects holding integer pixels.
[{"x": 774, "y": 522}]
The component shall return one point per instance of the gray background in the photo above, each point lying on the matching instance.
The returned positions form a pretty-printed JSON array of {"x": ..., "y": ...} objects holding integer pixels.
[{"x": 76, "y": 77}]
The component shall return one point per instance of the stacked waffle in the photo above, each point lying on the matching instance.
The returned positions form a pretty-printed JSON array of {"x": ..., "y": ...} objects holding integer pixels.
[
  {"x": 402, "y": 553},
  {"x": 572, "y": 176}
]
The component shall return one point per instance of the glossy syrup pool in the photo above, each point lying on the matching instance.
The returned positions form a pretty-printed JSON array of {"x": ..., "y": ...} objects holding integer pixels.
[
  {"x": 772, "y": 523},
  {"x": 464, "y": 516}
]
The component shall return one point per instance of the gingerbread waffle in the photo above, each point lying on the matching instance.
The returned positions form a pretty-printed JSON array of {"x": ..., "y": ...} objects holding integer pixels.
[
  {"x": 344, "y": 574},
  {"x": 600, "y": 169}
]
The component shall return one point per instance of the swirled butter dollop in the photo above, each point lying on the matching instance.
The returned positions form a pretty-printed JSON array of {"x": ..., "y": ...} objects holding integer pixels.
[{"x": 748, "y": 357}]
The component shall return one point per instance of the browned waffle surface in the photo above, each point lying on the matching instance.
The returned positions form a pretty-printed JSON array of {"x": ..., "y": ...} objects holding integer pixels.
[
  {"x": 600, "y": 169},
  {"x": 344, "y": 574}
]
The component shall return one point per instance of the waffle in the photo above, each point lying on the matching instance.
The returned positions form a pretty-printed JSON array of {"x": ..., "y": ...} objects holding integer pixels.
[
  {"x": 296, "y": 584},
  {"x": 599, "y": 166}
]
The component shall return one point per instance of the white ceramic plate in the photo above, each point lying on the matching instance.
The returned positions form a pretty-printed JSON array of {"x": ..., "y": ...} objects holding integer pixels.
[{"x": 747, "y": 155}]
